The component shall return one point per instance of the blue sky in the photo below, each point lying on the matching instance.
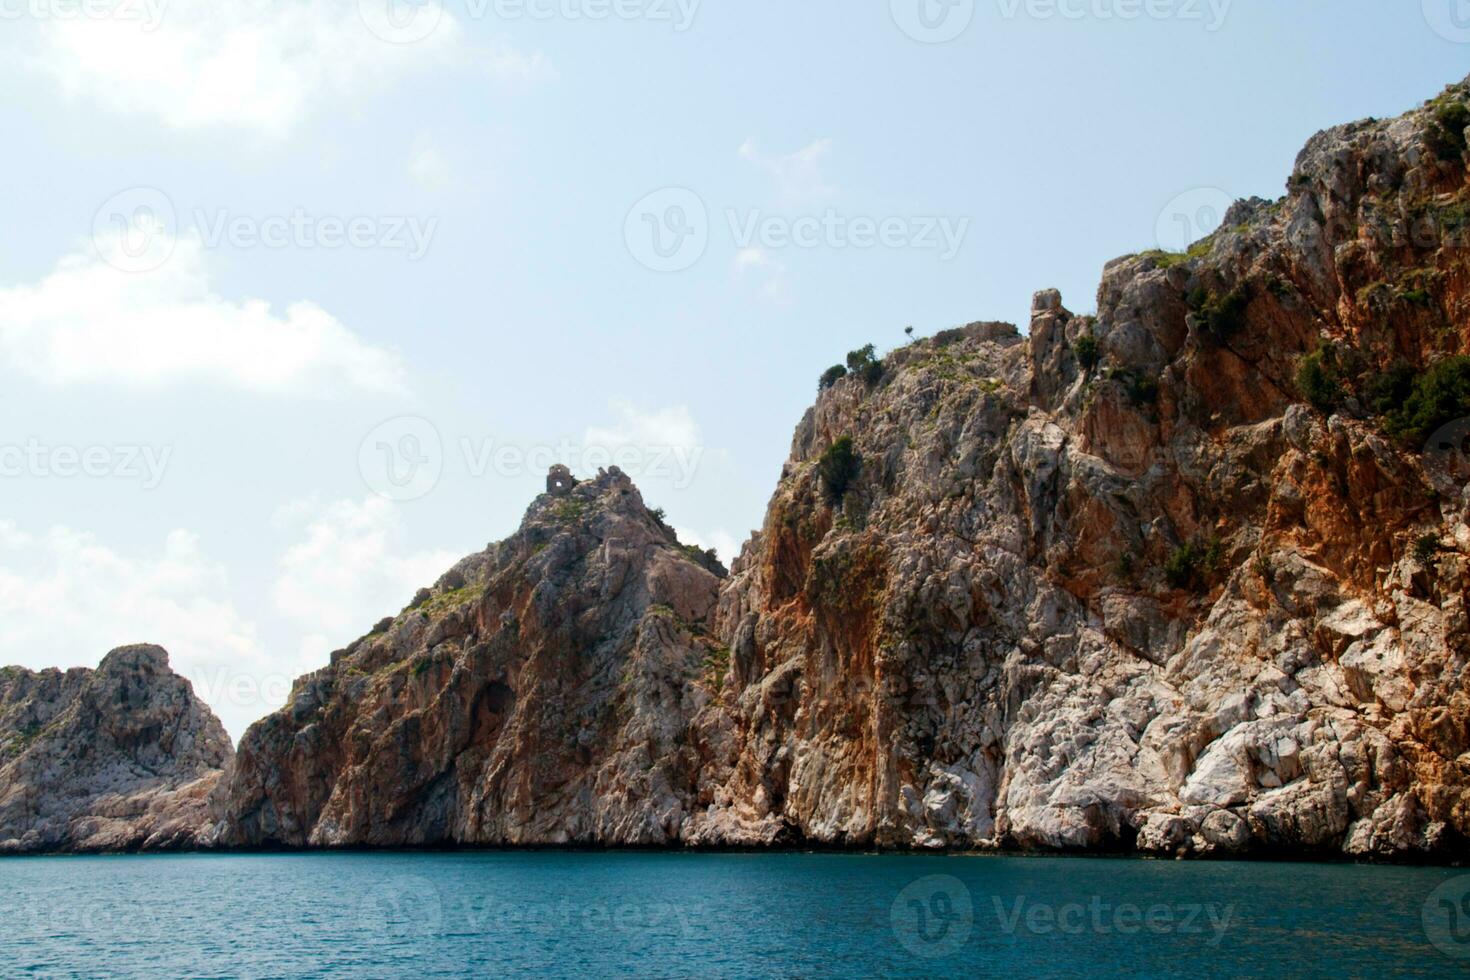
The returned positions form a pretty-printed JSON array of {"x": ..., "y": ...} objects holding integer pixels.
[{"x": 179, "y": 305}]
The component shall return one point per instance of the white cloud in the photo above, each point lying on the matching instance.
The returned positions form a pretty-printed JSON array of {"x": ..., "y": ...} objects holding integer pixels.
[
  {"x": 67, "y": 598},
  {"x": 751, "y": 258},
  {"x": 645, "y": 428},
  {"x": 726, "y": 545},
  {"x": 661, "y": 449},
  {"x": 256, "y": 65},
  {"x": 350, "y": 568},
  {"x": 757, "y": 265},
  {"x": 89, "y": 322},
  {"x": 427, "y": 164},
  {"x": 799, "y": 178},
  {"x": 509, "y": 64}
]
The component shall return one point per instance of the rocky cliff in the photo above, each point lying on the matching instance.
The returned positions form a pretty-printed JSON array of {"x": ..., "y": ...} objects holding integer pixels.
[
  {"x": 548, "y": 690},
  {"x": 114, "y": 759},
  {"x": 1187, "y": 576}
]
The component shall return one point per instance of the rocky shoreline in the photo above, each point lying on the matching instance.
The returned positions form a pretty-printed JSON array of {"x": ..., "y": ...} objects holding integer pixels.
[{"x": 1186, "y": 578}]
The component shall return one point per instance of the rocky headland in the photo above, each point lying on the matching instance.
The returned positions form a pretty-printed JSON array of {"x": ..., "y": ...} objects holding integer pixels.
[{"x": 1188, "y": 576}]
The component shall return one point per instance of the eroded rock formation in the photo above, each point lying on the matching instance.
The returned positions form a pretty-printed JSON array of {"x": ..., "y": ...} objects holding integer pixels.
[
  {"x": 547, "y": 690},
  {"x": 119, "y": 758},
  {"x": 1115, "y": 584},
  {"x": 1178, "y": 577}
]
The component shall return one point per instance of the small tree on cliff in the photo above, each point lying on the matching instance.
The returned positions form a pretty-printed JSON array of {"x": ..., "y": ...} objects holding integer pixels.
[
  {"x": 831, "y": 376},
  {"x": 864, "y": 363},
  {"x": 837, "y": 468}
]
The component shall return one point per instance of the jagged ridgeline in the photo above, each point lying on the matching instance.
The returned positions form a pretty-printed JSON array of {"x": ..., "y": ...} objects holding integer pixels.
[{"x": 1186, "y": 576}]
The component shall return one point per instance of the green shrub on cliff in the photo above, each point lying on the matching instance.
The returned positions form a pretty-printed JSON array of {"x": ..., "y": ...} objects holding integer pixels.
[
  {"x": 831, "y": 376},
  {"x": 837, "y": 468},
  {"x": 1445, "y": 133},
  {"x": 1218, "y": 317},
  {"x": 1440, "y": 394},
  {"x": 863, "y": 364},
  {"x": 1318, "y": 380},
  {"x": 1140, "y": 390},
  {"x": 1086, "y": 351},
  {"x": 1191, "y": 564},
  {"x": 1387, "y": 391}
]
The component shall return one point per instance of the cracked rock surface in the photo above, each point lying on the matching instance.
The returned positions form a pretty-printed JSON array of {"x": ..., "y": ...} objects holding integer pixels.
[{"x": 120, "y": 758}]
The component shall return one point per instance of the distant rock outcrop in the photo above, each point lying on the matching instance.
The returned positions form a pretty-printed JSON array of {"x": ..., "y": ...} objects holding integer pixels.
[{"x": 119, "y": 758}]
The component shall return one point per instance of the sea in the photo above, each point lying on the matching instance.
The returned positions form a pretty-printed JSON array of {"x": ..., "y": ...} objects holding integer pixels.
[{"x": 657, "y": 914}]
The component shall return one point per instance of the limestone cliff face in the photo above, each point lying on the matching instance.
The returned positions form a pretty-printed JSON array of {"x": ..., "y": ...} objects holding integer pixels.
[
  {"x": 118, "y": 758},
  {"x": 1115, "y": 584},
  {"x": 1188, "y": 576},
  {"x": 547, "y": 690}
]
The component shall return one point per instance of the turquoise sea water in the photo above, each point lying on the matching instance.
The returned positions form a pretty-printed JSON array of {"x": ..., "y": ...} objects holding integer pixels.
[{"x": 722, "y": 915}]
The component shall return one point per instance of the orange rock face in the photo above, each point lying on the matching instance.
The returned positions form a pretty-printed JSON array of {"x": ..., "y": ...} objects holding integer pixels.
[
  {"x": 1187, "y": 576},
  {"x": 543, "y": 691}
]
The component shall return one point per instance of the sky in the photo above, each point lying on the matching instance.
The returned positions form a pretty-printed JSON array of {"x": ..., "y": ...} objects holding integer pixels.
[{"x": 299, "y": 301}]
